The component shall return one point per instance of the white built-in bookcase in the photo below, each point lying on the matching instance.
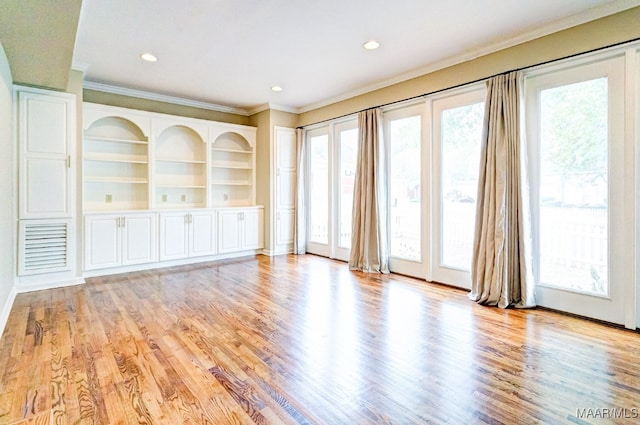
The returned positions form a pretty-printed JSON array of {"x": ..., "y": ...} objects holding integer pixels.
[
  {"x": 115, "y": 164},
  {"x": 231, "y": 171},
  {"x": 180, "y": 164},
  {"x": 138, "y": 160}
]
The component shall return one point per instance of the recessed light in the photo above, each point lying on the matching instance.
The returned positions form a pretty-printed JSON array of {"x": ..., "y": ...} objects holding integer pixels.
[
  {"x": 371, "y": 45},
  {"x": 149, "y": 57},
  {"x": 276, "y": 88}
]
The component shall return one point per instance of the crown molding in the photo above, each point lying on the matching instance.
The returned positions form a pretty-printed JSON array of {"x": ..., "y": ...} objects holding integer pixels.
[
  {"x": 540, "y": 31},
  {"x": 258, "y": 109},
  {"x": 283, "y": 108},
  {"x": 106, "y": 88},
  {"x": 82, "y": 67},
  {"x": 273, "y": 107}
]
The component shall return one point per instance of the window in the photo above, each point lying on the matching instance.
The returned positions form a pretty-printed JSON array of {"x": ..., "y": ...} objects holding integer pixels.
[
  {"x": 405, "y": 187},
  {"x": 457, "y": 119},
  {"x": 404, "y": 148},
  {"x": 576, "y": 144},
  {"x": 573, "y": 186},
  {"x": 460, "y": 146},
  {"x": 348, "y": 141},
  {"x": 319, "y": 188},
  {"x": 331, "y": 168}
]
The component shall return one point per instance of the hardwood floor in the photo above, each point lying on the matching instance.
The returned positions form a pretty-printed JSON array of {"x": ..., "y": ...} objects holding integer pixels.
[{"x": 301, "y": 340}]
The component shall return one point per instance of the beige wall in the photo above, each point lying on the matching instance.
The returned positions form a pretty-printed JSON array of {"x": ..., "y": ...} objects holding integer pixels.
[
  {"x": 284, "y": 119},
  {"x": 621, "y": 27},
  {"x": 162, "y": 107},
  {"x": 263, "y": 193},
  {"x": 39, "y": 37},
  {"x": 7, "y": 212}
]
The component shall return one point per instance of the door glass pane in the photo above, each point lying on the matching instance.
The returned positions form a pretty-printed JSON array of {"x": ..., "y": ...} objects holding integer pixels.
[
  {"x": 318, "y": 189},
  {"x": 573, "y": 186},
  {"x": 348, "y": 158},
  {"x": 461, "y": 133},
  {"x": 404, "y": 188}
]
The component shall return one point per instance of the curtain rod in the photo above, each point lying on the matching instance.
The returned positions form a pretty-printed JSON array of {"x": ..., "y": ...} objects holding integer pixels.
[{"x": 598, "y": 49}]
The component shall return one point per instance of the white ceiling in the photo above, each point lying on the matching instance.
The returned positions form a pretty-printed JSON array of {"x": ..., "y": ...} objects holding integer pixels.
[{"x": 230, "y": 52}]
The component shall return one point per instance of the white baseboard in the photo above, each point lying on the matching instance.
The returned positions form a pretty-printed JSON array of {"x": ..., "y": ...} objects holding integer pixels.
[
  {"x": 39, "y": 286},
  {"x": 271, "y": 253},
  {"x": 6, "y": 309},
  {"x": 168, "y": 263}
]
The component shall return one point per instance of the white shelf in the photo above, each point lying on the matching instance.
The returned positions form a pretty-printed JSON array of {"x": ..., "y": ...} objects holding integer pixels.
[
  {"x": 181, "y": 161},
  {"x": 180, "y": 186},
  {"x": 231, "y": 183},
  {"x": 115, "y": 140},
  {"x": 113, "y": 180},
  {"x": 231, "y": 150},
  {"x": 180, "y": 205},
  {"x": 114, "y": 159},
  {"x": 232, "y": 167}
]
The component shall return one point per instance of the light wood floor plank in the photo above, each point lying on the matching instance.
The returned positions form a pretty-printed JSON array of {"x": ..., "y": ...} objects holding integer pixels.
[{"x": 302, "y": 340}]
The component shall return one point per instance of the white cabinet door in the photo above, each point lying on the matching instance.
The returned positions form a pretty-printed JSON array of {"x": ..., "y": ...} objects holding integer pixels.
[
  {"x": 101, "y": 241},
  {"x": 174, "y": 236},
  {"x": 138, "y": 238},
  {"x": 286, "y": 162},
  {"x": 202, "y": 233},
  {"x": 46, "y": 137},
  {"x": 229, "y": 231},
  {"x": 252, "y": 225},
  {"x": 284, "y": 227},
  {"x": 240, "y": 229},
  {"x": 187, "y": 234},
  {"x": 282, "y": 218}
]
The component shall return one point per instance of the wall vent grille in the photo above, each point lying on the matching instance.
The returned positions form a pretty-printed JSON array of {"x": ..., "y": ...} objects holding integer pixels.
[{"x": 45, "y": 246}]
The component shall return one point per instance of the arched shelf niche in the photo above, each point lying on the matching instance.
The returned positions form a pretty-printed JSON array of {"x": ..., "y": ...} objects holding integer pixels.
[
  {"x": 116, "y": 165},
  {"x": 232, "y": 171},
  {"x": 180, "y": 171}
]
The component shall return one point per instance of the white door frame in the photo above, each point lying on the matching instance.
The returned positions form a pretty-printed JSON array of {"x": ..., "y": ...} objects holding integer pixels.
[{"x": 615, "y": 307}]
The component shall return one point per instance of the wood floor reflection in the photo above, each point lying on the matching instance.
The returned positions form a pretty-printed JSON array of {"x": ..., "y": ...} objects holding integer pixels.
[{"x": 301, "y": 340}]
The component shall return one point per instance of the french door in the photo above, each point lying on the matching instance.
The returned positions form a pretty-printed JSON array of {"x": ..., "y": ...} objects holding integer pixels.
[
  {"x": 576, "y": 146},
  {"x": 318, "y": 193},
  {"x": 332, "y": 154},
  {"x": 456, "y": 120},
  {"x": 403, "y": 135}
]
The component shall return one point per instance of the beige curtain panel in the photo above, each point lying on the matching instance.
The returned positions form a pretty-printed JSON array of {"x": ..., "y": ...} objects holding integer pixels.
[
  {"x": 299, "y": 225},
  {"x": 501, "y": 272},
  {"x": 369, "y": 246}
]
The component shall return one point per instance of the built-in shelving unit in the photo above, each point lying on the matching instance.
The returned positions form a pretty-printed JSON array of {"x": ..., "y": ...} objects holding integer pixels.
[
  {"x": 162, "y": 189},
  {"x": 116, "y": 166},
  {"x": 232, "y": 164},
  {"x": 180, "y": 171}
]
